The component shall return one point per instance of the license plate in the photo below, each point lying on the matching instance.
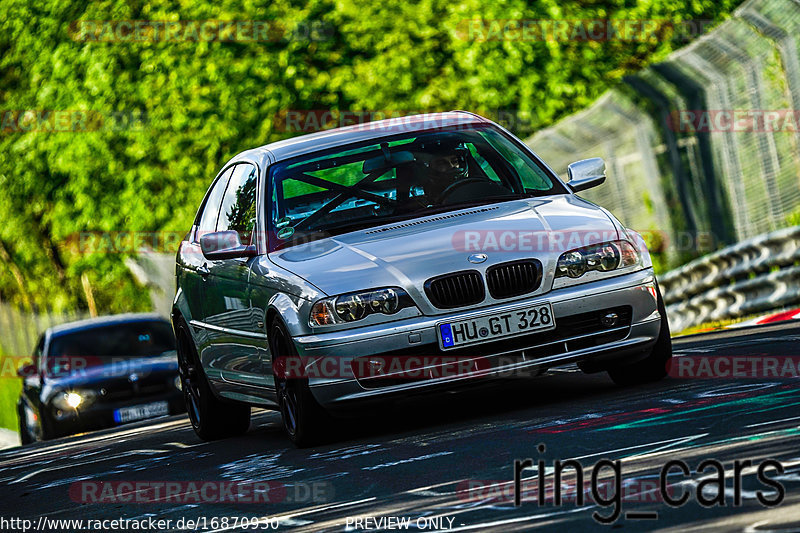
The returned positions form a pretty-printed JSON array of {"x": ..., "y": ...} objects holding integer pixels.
[
  {"x": 534, "y": 317},
  {"x": 140, "y": 412}
]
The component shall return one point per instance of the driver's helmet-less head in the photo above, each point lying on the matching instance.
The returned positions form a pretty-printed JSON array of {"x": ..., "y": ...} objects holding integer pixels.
[{"x": 444, "y": 157}]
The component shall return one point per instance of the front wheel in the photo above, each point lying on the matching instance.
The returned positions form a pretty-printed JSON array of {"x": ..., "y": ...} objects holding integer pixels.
[
  {"x": 304, "y": 420},
  {"x": 211, "y": 417},
  {"x": 654, "y": 366}
]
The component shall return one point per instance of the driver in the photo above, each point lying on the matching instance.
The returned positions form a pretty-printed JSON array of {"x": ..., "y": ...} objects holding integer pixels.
[{"x": 445, "y": 162}]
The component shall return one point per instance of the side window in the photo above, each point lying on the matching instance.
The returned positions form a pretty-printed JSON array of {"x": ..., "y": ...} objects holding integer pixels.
[
  {"x": 208, "y": 220},
  {"x": 238, "y": 211}
]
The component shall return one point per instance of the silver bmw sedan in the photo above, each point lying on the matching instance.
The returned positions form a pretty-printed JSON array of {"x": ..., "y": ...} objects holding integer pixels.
[{"x": 375, "y": 261}]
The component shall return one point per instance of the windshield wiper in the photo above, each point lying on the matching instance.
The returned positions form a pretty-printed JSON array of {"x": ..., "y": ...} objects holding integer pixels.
[{"x": 472, "y": 203}]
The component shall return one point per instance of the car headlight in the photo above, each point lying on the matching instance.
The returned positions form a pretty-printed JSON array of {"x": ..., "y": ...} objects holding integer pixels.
[
  {"x": 600, "y": 257},
  {"x": 72, "y": 400},
  {"x": 358, "y": 305}
]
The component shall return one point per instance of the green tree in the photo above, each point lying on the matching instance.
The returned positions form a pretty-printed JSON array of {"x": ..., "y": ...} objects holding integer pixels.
[{"x": 194, "y": 104}]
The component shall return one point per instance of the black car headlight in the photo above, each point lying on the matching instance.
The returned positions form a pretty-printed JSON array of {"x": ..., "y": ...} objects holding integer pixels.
[
  {"x": 355, "y": 306},
  {"x": 67, "y": 402},
  {"x": 603, "y": 257}
]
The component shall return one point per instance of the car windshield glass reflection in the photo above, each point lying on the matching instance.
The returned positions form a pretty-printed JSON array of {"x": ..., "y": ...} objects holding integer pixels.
[
  {"x": 102, "y": 345},
  {"x": 403, "y": 177}
]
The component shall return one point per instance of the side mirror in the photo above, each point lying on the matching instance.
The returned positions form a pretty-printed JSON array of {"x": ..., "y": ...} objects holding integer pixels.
[
  {"x": 224, "y": 245},
  {"x": 26, "y": 371},
  {"x": 586, "y": 174}
]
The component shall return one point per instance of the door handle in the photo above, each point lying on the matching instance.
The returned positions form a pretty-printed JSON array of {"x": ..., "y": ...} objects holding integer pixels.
[{"x": 203, "y": 270}]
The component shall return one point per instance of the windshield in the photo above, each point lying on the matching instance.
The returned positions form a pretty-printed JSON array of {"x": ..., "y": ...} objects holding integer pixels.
[
  {"x": 106, "y": 344},
  {"x": 397, "y": 178}
]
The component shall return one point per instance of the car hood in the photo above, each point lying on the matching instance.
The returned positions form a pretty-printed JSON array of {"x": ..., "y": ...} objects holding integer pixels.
[
  {"x": 407, "y": 253},
  {"x": 117, "y": 368}
]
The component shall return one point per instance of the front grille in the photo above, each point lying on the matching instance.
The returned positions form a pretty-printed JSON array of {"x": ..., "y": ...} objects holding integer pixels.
[
  {"x": 455, "y": 290},
  {"x": 121, "y": 390},
  {"x": 513, "y": 279},
  {"x": 522, "y": 348}
]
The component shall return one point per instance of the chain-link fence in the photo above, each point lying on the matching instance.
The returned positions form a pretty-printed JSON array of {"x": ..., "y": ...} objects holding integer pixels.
[
  {"x": 20, "y": 329},
  {"x": 704, "y": 147}
]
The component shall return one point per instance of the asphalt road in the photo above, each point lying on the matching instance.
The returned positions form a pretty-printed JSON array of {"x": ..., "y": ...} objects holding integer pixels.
[{"x": 450, "y": 458}]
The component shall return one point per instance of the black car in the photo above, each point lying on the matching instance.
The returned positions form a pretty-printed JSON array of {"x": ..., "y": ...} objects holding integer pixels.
[{"x": 99, "y": 373}]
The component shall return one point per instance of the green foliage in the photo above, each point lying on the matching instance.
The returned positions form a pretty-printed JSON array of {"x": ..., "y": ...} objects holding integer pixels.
[
  {"x": 794, "y": 218},
  {"x": 10, "y": 388},
  {"x": 198, "y": 103},
  {"x": 9, "y": 393}
]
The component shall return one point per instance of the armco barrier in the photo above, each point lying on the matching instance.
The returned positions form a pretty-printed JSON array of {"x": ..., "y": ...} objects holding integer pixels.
[{"x": 754, "y": 276}]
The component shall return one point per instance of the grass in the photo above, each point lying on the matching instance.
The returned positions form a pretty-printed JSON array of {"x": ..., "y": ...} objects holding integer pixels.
[
  {"x": 711, "y": 326},
  {"x": 721, "y": 324},
  {"x": 9, "y": 393},
  {"x": 10, "y": 387}
]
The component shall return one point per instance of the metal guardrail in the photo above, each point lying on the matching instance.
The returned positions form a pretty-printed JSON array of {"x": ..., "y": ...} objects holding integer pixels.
[{"x": 757, "y": 275}]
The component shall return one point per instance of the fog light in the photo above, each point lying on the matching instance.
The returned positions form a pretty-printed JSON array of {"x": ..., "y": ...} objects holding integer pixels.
[{"x": 610, "y": 320}]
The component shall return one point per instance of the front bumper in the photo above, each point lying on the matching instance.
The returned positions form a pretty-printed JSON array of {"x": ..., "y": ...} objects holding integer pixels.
[
  {"x": 100, "y": 415},
  {"x": 595, "y": 349}
]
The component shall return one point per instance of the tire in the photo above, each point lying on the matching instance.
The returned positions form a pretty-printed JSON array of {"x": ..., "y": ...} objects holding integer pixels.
[
  {"x": 25, "y": 436},
  {"x": 304, "y": 420},
  {"x": 655, "y": 366},
  {"x": 211, "y": 417}
]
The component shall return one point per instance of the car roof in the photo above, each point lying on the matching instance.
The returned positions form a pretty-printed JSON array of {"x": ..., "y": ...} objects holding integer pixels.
[
  {"x": 109, "y": 320},
  {"x": 321, "y": 140}
]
